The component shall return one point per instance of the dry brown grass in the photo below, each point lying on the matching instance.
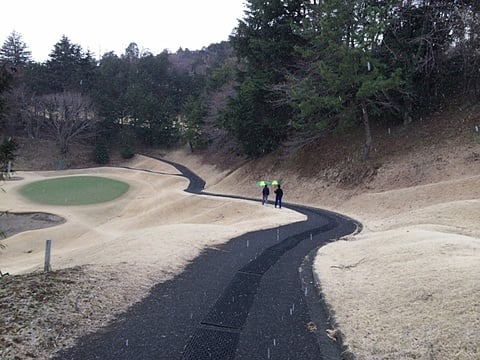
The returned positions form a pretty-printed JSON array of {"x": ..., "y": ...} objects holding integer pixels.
[
  {"x": 407, "y": 286},
  {"x": 43, "y": 313},
  {"x": 108, "y": 255},
  {"x": 407, "y": 293}
]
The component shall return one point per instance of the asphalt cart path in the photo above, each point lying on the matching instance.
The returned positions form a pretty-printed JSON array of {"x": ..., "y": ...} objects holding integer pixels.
[{"x": 251, "y": 298}]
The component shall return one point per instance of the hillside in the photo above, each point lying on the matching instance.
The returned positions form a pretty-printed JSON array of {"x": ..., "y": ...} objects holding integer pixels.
[
  {"x": 407, "y": 285},
  {"x": 441, "y": 147}
]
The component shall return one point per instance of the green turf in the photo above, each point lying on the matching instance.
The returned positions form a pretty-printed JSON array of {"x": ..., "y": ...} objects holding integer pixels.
[{"x": 74, "y": 190}]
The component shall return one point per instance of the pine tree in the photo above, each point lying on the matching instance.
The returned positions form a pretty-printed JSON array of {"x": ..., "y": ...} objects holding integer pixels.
[
  {"x": 14, "y": 50},
  {"x": 343, "y": 80},
  {"x": 264, "y": 42},
  {"x": 69, "y": 68}
]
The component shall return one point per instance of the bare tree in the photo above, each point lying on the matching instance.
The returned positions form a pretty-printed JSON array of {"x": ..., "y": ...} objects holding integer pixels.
[
  {"x": 69, "y": 117},
  {"x": 33, "y": 114}
]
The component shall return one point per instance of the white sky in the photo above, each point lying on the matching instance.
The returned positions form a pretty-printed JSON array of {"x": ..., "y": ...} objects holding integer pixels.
[{"x": 101, "y": 26}]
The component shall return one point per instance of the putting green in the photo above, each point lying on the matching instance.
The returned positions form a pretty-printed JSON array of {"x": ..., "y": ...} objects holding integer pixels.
[{"x": 74, "y": 190}]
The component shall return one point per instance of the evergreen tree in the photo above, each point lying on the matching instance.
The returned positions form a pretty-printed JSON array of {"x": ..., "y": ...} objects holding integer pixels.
[
  {"x": 194, "y": 113},
  {"x": 435, "y": 44},
  {"x": 8, "y": 147},
  {"x": 68, "y": 68},
  {"x": 5, "y": 85},
  {"x": 14, "y": 50},
  {"x": 343, "y": 79},
  {"x": 264, "y": 42},
  {"x": 142, "y": 93}
]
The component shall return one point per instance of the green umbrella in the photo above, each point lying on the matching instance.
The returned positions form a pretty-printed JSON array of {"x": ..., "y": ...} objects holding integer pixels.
[
  {"x": 263, "y": 183},
  {"x": 275, "y": 182}
]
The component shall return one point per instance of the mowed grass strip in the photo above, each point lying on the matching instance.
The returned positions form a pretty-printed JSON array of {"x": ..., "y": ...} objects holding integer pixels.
[{"x": 74, "y": 190}]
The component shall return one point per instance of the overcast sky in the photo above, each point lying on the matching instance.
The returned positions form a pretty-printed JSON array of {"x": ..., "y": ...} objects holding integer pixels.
[{"x": 102, "y": 26}]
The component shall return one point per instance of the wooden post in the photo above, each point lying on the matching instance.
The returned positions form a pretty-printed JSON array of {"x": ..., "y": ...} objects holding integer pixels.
[{"x": 47, "y": 266}]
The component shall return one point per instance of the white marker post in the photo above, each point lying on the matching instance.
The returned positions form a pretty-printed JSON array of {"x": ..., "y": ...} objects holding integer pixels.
[
  {"x": 47, "y": 266},
  {"x": 9, "y": 169}
]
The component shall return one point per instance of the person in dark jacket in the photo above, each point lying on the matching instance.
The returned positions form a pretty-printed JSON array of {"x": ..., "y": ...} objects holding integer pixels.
[
  {"x": 278, "y": 196},
  {"x": 265, "y": 193}
]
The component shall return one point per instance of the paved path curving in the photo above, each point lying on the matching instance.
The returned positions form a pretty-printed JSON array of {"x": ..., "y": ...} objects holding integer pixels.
[{"x": 252, "y": 298}]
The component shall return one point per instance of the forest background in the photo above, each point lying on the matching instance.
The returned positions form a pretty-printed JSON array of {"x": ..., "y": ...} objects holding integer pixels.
[{"x": 291, "y": 72}]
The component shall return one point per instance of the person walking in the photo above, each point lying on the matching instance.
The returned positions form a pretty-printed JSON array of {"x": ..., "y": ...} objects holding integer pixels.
[
  {"x": 278, "y": 196},
  {"x": 265, "y": 193}
]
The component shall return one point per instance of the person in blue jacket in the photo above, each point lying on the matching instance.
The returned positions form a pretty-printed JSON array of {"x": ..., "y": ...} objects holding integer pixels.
[{"x": 265, "y": 193}]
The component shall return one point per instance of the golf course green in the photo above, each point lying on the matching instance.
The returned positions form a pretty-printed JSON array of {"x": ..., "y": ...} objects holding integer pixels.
[{"x": 74, "y": 190}]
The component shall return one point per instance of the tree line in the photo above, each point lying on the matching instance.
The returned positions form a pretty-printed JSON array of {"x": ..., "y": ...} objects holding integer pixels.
[
  {"x": 135, "y": 97},
  {"x": 333, "y": 64},
  {"x": 294, "y": 67}
]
